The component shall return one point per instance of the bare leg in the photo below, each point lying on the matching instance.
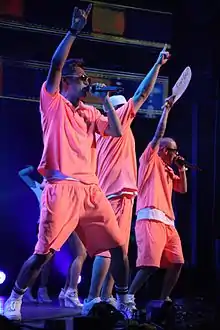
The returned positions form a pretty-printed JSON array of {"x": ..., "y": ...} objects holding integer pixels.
[
  {"x": 170, "y": 280},
  {"x": 44, "y": 275},
  {"x": 120, "y": 271},
  {"x": 79, "y": 253},
  {"x": 107, "y": 287},
  {"x": 28, "y": 297},
  {"x": 141, "y": 278},
  {"x": 70, "y": 294},
  {"x": 30, "y": 271},
  {"x": 43, "y": 296},
  {"x": 99, "y": 271}
]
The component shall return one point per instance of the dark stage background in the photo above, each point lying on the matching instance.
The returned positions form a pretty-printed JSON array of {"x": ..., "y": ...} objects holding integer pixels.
[{"x": 191, "y": 28}]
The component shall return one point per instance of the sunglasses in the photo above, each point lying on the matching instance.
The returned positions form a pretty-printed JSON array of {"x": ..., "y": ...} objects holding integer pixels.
[
  {"x": 174, "y": 150},
  {"x": 84, "y": 78}
]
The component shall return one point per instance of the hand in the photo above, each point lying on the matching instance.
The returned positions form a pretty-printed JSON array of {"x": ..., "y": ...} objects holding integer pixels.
[
  {"x": 96, "y": 93},
  {"x": 164, "y": 56},
  {"x": 179, "y": 161},
  {"x": 79, "y": 18},
  {"x": 30, "y": 168},
  {"x": 168, "y": 102}
]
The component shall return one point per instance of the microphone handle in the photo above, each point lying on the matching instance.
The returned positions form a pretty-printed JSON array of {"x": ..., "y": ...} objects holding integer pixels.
[
  {"x": 192, "y": 166},
  {"x": 187, "y": 164},
  {"x": 95, "y": 88}
]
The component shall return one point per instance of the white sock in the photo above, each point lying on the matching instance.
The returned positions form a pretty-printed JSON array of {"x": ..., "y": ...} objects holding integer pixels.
[
  {"x": 15, "y": 295},
  {"x": 122, "y": 298},
  {"x": 131, "y": 295}
]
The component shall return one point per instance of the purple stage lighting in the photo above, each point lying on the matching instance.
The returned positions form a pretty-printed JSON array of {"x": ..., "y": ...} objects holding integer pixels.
[{"x": 2, "y": 277}]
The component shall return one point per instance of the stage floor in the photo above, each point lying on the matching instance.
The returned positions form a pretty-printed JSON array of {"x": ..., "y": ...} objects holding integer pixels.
[
  {"x": 36, "y": 316},
  {"x": 189, "y": 314}
]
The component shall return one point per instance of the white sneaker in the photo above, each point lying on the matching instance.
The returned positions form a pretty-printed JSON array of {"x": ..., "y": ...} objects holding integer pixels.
[
  {"x": 131, "y": 300},
  {"x": 87, "y": 305},
  {"x": 61, "y": 298},
  {"x": 42, "y": 296},
  {"x": 72, "y": 299},
  {"x": 126, "y": 308},
  {"x": 28, "y": 298},
  {"x": 168, "y": 299},
  {"x": 111, "y": 300},
  {"x": 12, "y": 309}
]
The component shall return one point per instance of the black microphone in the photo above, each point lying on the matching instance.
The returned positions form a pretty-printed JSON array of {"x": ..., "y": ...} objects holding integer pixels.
[
  {"x": 183, "y": 162},
  {"x": 96, "y": 88}
]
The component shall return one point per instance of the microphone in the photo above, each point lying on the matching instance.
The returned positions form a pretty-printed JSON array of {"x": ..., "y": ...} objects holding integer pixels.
[
  {"x": 183, "y": 162},
  {"x": 94, "y": 88}
]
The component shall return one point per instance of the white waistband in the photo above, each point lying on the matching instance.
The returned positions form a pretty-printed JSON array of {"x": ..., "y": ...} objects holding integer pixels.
[
  {"x": 154, "y": 214},
  {"x": 124, "y": 192}
]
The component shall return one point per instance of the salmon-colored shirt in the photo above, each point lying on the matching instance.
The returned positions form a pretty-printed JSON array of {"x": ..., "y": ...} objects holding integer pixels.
[
  {"x": 69, "y": 137},
  {"x": 155, "y": 183},
  {"x": 116, "y": 158}
]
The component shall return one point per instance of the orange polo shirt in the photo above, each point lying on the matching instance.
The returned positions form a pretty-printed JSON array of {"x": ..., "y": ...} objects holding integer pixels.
[
  {"x": 69, "y": 137},
  {"x": 116, "y": 158},
  {"x": 155, "y": 183}
]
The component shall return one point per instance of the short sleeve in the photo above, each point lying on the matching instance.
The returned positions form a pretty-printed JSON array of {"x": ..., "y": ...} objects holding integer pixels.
[
  {"x": 101, "y": 122},
  {"x": 126, "y": 113},
  {"x": 149, "y": 153},
  {"x": 48, "y": 101},
  {"x": 173, "y": 175}
]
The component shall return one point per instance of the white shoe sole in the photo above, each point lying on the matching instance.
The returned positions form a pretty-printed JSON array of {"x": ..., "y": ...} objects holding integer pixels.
[
  {"x": 13, "y": 317},
  {"x": 68, "y": 303}
]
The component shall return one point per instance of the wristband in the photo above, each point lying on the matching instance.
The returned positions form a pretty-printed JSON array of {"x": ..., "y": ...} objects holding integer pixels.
[{"x": 74, "y": 32}]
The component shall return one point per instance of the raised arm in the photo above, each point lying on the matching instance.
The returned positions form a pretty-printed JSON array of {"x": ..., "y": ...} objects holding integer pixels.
[
  {"x": 114, "y": 127},
  {"x": 79, "y": 20},
  {"x": 25, "y": 176},
  {"x": 147, "y": 85},
  {"x": 112, "y": 123},
  {"x": 161, "y": 128}
]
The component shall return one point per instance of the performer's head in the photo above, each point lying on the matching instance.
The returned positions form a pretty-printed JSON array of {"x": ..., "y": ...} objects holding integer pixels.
[
  {"x": 74, "y": 82},
  {"x": 118, "y": 101},
  {"x": 168, "y": 150}
]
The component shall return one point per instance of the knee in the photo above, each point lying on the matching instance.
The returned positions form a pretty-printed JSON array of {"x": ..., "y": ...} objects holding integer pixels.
[
  {"x": 82, "y": 256},
  {"x": 38, "y": 260}
]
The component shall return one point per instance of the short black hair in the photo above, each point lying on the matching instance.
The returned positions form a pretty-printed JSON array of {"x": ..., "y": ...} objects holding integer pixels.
[{"x": 70, "y": 65}]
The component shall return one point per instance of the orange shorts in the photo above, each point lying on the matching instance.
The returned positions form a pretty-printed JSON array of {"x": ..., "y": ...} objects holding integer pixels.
[
  {"x": 158, "y": 244},
  {"x": 67, "y": 206},
  {"x": 122, "y": 207}
]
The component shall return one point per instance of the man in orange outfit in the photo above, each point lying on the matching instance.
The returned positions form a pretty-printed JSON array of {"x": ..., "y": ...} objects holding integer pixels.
[
  {"x": 72, "y": 199},
  {"x": 158, "y": 241},
  {"x": 117, "y": 173}
]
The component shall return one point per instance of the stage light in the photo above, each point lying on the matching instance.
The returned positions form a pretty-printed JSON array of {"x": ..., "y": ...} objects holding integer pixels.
[
  {"x": 79, "y": 279},
  {"x": 2, "y": 277}
]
